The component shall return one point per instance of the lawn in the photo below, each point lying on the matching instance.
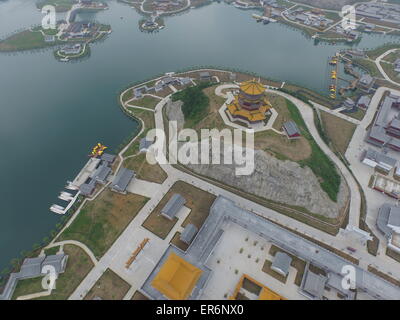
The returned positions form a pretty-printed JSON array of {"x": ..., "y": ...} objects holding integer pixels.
[
  {"x": 25, "y": 40},
  {"x": 282, "y": 147},
  {"x": 197, "y": 200},
  {"x": 145, "y": 170},
  {"x": 211, "y": 118},
  {"x": 369, "y": 66},
  {"x": 149, "y": 123},
  {"x": 103, "y": 220},
  {"x": 338, "y": 130},
  {"x": 318, "y": 162},
  {"x": 78, "y": 266},
  {"x": 145, "y": 102},
  {"x": 109, "y": 287},
  {"x": 375, "y": 53},
  {"x": 195, "y": 103},
  {"x": 51, "y": 251},
  {"x": 389, "y": 70}
]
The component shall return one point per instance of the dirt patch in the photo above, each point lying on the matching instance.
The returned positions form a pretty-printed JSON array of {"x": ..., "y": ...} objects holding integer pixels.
[
  {"x": 101, "y": 221},
  {"x": 267, "y": 269},
  {"x": 197, "y": 200},
  {"x": 139, "y": 296},
  {"x": 178, "y": 243},
  {"x": 338, "y": 130},
  {"x": 109, "y": 287},
  {"x": 281, "y": 147},
  {"x": 145, "y": 170}
]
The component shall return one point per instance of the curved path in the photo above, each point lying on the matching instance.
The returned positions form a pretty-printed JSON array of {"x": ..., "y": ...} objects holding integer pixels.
[
  {"x": 308, "y": 116},
  {"x": 381, "y": 70},
  {"x": 78, "y": 244},
  {"x": 119, "y": 252}
]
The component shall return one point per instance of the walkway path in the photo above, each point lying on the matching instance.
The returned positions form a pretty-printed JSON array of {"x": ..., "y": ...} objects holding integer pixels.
[
  {"x": 381, "y": 70},
  {"x": 78, "y": 244},
  {"x": 353, "y": 154},
  {"x": 121, "y": 250}
]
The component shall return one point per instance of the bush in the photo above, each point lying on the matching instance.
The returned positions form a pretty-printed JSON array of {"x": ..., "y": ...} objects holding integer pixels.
[{"x": 195, "y": 102}]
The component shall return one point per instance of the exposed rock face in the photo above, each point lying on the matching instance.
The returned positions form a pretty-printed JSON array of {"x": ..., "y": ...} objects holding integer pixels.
[{"x": 281, "y": 181}]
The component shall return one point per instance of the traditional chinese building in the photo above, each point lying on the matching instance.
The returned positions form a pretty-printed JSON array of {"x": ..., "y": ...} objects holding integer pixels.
[{"x": 250, "y": 105}]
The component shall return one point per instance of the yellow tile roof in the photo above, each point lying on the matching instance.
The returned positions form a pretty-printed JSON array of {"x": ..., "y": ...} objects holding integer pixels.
[
  {"x": 252, "y": 87},
  {"x": 176, "y": 278},
  {"x": 268, "y": 294}
]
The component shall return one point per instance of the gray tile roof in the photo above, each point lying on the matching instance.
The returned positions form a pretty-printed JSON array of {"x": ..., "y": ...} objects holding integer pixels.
[
  {"x": 101, "y": 173},
  {"x": 364, "y": 100},
  {"x": 87, "y": 188},
  {"x": 366, "y": 80},
  {"x": 204, "y": 74},
  {"x": 380, "y": 158},
  {"x": 108, "y": 157},
  {"x": 32, "y": 268},
  {"x": 314, "y": 284},
  {"x": 188, "y": 233},
  {"x": 291, "y": 128},
  {"x": 122, "y": 179},
  {"x": 382, "y": 220},
  {"x": 394, "y": 216},
  {"x": 281, "y": 263},
  {"x": 175, "y": 203},
  {"x": 145, "y": 144}
]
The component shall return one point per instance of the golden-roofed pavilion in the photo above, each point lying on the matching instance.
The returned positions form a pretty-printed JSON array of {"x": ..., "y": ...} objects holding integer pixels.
[
  {"x": 250, "y": 104},
  {"x": 176, "y": 278}
]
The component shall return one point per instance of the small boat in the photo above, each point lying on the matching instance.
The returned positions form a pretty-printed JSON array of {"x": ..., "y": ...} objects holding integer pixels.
[
  {"x": 70, "y": 186},
  {"x": 57, "y": 209}
]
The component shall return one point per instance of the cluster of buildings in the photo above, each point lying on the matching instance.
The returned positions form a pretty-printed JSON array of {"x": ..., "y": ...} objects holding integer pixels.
[
  {"x": 101, "y": 173},
  {"x": 186, "y": 274},
  {"x": 250, "y": 105},
  {"x": 80, "y": 30},
  {"x": 351, "y": 34},
  {"x": 167, "y": 5},
  {"x": 161, "y": 85},
  {"x": 71, "y": 49},
  {"x": 383, "y": 12},
  {"x": 310, "y": 18},
  {"x": 34, "y": 268},
  {"x": 388, "y": 224},
  {"x": 96, "y": 5},
  {"x": 385, "y": 131},
  {"x": 362, "y": 102}
]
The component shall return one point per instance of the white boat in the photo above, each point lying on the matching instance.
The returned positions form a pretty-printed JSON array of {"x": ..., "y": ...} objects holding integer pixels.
[
  {"x": 70, "y": 186},
  {"x": 64, "y": 197},
  {"x": 57, "y": 209}
]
